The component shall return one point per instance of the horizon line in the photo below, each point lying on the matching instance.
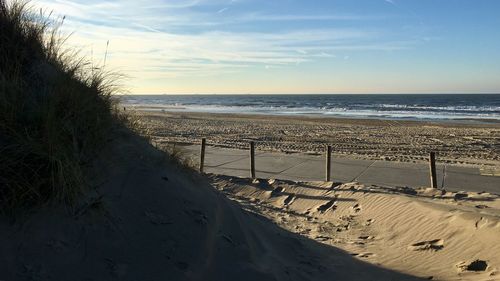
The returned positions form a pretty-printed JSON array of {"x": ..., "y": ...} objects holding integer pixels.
[{"x": 290, "y": 94}]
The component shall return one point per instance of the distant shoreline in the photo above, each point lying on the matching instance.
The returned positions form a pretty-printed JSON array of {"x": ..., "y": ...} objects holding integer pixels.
[
  {"x": 443, "y": 108},
  {"x": 184, "y": 110}
]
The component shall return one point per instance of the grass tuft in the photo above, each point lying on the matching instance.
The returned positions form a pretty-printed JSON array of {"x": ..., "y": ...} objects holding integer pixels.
[{"x": 55, "y": 110}]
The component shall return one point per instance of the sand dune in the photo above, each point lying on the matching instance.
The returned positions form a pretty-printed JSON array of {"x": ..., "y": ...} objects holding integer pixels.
[
  {"x": 151, "y": 220},
  {"x": 426, "y": 233}
]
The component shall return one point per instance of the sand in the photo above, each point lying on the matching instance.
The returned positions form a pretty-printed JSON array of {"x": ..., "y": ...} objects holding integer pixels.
[
  {"x": 149, "y": 219},
  {"x": 465, "y": 143},
  {"x": 146, "y": 217},
  {"x": 428, "y": 233}
]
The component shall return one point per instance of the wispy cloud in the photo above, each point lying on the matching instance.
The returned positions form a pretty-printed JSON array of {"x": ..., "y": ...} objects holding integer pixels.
[
  {"x": 154, "y": 39},
  {"x": 222, "y": 10},
  {"x": 314, "y": 17}
]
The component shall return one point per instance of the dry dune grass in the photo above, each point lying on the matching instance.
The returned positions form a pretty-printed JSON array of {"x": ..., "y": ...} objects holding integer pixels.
[{"x": 55, "y": 109}]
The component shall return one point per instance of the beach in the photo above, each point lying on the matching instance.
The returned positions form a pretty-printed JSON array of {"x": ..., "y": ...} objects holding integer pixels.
[
  {"x": 429, "y": 233},
  {"x": 152, "y": 218},
  {"x": 455, "y": 142},
  {"x": 245, "y": 140}
]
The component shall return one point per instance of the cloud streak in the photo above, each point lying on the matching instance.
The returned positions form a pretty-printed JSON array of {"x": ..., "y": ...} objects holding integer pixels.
[{"x": 156, "y": 39}]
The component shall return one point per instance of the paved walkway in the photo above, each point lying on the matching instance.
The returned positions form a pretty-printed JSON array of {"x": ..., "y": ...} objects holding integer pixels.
[{"x": 305, "y": 167}]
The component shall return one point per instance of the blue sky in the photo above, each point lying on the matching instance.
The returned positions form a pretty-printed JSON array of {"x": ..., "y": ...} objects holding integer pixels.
[{"x": 291, "y": 46}]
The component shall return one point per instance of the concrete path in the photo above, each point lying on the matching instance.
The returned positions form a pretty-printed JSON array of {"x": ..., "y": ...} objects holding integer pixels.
[{"x": 303, "y": 167}]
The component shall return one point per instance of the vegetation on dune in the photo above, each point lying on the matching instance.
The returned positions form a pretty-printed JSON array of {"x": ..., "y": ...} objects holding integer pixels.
[{"x": 55, "y": 110}]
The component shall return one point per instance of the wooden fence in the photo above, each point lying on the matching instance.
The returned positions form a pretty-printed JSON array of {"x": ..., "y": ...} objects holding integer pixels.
[{"x": 328, "y": 162}]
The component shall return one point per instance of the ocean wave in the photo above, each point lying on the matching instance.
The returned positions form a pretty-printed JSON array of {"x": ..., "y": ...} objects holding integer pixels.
[{"x": 446, "y": 107}]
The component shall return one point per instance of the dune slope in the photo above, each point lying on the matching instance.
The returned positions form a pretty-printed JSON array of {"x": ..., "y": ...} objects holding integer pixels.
[
  {"x": 151, "y": 220},
  {"x": 427, "y": 233}
]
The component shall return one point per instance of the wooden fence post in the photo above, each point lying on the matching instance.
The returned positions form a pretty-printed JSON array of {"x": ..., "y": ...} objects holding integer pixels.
[
  {"x": 252, "y": 159},
  {"x": 328, "y": 162},
  {"x": 202, "y": 154},
  {"x": 432, "y": 168}
]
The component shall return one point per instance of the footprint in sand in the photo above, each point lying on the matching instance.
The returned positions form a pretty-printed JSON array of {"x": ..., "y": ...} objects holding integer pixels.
[
  {"x": 183, "y": 266},
  {"x": 305, "y": 231},
  {"x": 345, "y": 227},
  {"x": 477, "y": 265},
  {"x": 227, "y": 238},
  {"x": 366, "y": 237},
  {"x": 327, "y": 206},
  {"x": 33, "y": 272},
  {"x": 289, "y": 200},
  {"x": 356, "y": 208},
  {"x": 157, "y": 219},
  {"x": 434, "y": 245},
  {"x": 364, "y": 255},
  {"x": 198, "y": 216},
  {"x": 58, "y": 245},
  {"x": 482, "y": 206},
  {"x": 481, "y": 223},
  {"x": 322, "y": 238},
  {"x": 277, "y": 191},
  {"x": 369, "y": 222},
  {"x": 116, "y": 269}
]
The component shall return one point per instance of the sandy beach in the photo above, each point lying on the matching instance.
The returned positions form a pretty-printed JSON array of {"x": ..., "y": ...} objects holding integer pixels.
[
  {"x": 151, "y": 218},
  {"x": 432, "y": 234},
  {"x": 466, "y": 143}
]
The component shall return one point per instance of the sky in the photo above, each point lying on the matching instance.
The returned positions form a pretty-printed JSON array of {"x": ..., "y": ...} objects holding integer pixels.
[{"x": 290, "y": 46}]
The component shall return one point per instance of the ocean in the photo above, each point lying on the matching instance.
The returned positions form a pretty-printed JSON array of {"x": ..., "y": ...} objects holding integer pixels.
[{"x": 380, "y": 106}]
